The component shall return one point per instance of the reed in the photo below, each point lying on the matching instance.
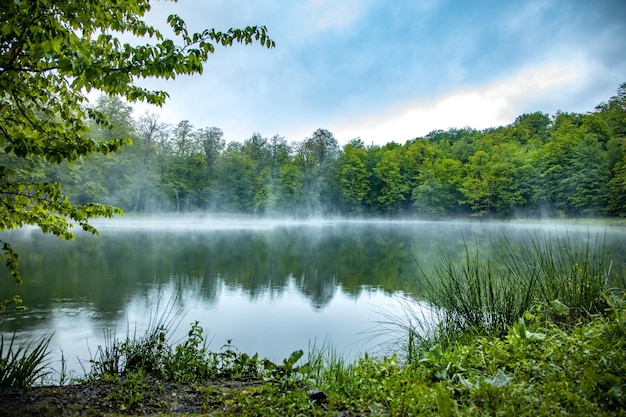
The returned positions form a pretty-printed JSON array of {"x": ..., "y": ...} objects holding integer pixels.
[
  {"x": 487, "y": 292},
  {"x": 573, "y": 272},
  {"x": 24, "y": 363},
  {"x": 146, "y": 351},
  {"x": 326, "y": 366},
  {"x": 479, "y": 294}
]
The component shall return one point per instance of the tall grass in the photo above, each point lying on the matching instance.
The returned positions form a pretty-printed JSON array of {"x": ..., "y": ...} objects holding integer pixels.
[
  {"x": 486, "y": 292},
  {"x": 146, "y": 351},
  {"x": 574, "y": 273},
  {"x": 326, "y": 366},
  {"x": 23, "y": 364},
  {"x": 419, "y": 320}
]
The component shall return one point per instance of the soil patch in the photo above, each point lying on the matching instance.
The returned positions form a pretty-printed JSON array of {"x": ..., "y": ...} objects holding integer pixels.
[{"x": 99, "y": 398}]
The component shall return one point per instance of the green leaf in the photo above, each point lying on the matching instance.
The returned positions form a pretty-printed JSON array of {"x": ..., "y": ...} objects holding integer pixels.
[
  {"x": 559, "y": 308},
  {"x": 500, "y": 380},
  {"x": 294, "y": 357}
]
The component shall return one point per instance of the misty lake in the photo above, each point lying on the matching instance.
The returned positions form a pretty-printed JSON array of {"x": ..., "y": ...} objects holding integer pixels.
[{"x": 270, "y": 286}]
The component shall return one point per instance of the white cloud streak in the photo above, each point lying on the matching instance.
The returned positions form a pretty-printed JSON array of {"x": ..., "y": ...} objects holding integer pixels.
[
  {"x": 492, "y": 105},
  {"x": 333, "y": 14}
]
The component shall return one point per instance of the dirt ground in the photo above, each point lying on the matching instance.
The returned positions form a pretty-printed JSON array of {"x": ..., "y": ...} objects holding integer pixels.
[{"x": 95, "y": 399}]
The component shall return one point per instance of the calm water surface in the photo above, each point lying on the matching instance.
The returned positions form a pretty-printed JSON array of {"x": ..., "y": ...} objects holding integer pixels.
[{"x": 269, "y": 286}]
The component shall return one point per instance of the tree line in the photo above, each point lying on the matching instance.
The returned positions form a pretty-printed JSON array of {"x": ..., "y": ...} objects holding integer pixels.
[{"x": 568, "y": 164}]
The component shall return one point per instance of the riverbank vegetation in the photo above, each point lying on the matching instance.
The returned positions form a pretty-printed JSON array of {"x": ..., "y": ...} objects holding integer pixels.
[
  {"x": 489, "y": 290},
  {"x": 557, "y": 347}
]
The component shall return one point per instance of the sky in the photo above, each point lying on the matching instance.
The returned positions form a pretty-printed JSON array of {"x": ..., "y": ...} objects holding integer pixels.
[{"x": 394, "y": 70}]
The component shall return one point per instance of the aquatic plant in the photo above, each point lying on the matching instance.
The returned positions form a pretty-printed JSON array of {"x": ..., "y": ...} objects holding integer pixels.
[
  {"x": 479, "y": 294},
  {"x": 486, "y": 292},
  {"x": 575, "y": 273},
  {"x": 24, "y": 363}
]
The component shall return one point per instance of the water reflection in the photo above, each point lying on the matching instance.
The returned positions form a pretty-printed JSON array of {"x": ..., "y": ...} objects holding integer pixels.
[
  {"x": 270, "y": 286},
  {"x": 273, "y": 324}
]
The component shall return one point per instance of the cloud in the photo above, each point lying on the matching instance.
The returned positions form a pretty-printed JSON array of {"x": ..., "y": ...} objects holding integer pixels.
[
  {"x": 480, "y": 107},
  {"x": 333, "y": 14},
  {"x": 395, "y": 70},
  {"x": 524, "y": 16}
]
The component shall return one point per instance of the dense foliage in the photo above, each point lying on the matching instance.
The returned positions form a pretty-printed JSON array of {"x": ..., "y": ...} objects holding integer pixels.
[
  {"x": 565, "y": 165},
  {"x": 51, "y": 55}
]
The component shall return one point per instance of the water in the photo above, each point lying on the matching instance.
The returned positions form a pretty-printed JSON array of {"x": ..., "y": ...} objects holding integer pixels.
[{"x": 271, "y": 286}]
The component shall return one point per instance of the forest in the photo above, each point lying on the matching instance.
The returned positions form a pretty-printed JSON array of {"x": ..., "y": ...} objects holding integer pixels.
[{"x": 564, "y": 165}]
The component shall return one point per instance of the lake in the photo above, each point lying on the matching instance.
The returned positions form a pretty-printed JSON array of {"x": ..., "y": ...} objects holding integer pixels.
[{"x": 269, "y": 286}]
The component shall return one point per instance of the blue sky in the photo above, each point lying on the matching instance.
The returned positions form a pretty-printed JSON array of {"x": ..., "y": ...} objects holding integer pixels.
[{"x": 392, "y": 70}]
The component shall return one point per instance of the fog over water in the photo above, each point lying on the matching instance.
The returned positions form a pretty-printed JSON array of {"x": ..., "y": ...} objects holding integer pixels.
[{"x": 271, "y": 286}]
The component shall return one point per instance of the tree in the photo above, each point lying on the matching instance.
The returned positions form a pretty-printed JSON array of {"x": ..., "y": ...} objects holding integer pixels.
[
  {"x": 114, "y": 174},
  {"x": 478, "y": 184},
  {"x": 617, "y": 197},
  {"x": 184, "y": 177},
  {"x": 279, "y": 153},
  {"x": 575, "y": 169},
  {"x": 317, "y": 159},
  {"x": 237, "y": 174},
  {"x": 614, "y": 112},
  {"x": 437, "y": 191},
  {"x": 151, "y": 134},
  {"x": 532, "y": 126},
  {"x": 394, "y": 187},
  {"x": 499, "y": 176},
  {"x": 212, "y": 141},
  {"x": 353, "y": 176},
  {"x": 258, "y": 150},
  {"x": 322, "y": 145},
  {"x": 51, "y": 55},
  {"x": 290, "y": 180}
]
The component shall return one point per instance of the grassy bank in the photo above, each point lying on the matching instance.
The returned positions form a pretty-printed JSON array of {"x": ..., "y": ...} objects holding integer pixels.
[{"x": 536, "y": 330}]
